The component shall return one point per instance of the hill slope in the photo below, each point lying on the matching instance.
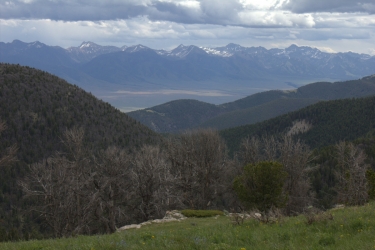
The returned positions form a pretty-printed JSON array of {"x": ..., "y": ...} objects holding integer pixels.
[
  {"x": 37, "y": 108},
  {"x": 178, "y": 115},
  {"x": 318, "y": 125}
]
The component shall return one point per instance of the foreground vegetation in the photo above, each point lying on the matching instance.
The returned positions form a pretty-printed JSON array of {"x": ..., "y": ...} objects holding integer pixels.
[
  {"x": 350, "y": 228},
  {"x": 80, "y": 167}
]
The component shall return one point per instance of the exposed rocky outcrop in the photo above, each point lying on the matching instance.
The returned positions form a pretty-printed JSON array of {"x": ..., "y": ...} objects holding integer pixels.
[{"x": 170, "y": 216}]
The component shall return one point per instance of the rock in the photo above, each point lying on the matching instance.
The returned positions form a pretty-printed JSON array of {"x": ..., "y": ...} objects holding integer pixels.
[
  {"x": 170, "y": 216},
  {"x": 257, "y": 215},
  {"x": 157, "y": 221},
  {"x": 174, "y": 214},
  {"x": 339, "y": 206},
  {"x": 243, "y": 216},
  {"x": 132, "y": 226},
  {"x": 146, "y": 223}
]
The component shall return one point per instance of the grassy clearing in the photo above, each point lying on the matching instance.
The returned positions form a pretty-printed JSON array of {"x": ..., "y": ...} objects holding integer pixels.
[{"x": 351, "y": 228}]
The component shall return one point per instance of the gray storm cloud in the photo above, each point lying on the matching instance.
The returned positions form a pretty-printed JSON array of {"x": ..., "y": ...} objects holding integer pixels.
[
  {"x": 229, "y": 12},
  {"x": 168, "y": 23},
  {"x": 70, "y": 10},
  {"x": 206, "y": 11},
  {"x": 312, "y": 6}
]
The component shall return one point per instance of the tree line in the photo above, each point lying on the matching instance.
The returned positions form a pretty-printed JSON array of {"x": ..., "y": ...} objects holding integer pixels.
[{"x": 80, "y": 191}]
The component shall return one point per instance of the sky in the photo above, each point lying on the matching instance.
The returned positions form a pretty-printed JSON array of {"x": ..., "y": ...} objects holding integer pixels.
[{"x": 329, "y": 25}]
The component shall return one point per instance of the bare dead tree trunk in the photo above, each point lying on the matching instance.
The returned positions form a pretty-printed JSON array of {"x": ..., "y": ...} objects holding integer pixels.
[
  {"x": 61, "y": 186},
  {"x": 351, "y": 174},
  {"x": 198, "y": 158},
  {"x": 295, "y": 157},
  {"x": 113, "y": 188},
  {"x": 153, "y": 182},
  {"x": 249, "y": 151}
]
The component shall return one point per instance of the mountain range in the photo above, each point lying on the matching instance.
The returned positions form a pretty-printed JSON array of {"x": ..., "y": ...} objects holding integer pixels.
[{"x": 138, "y": 76}]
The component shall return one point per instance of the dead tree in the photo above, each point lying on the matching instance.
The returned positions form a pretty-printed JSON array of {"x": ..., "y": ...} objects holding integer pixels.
[
  {"x": 111, "y": 189},
  {"x": 295, "y": 157},
  {"x": 198, "y": 159},
  {"x": 153, "y": 183},
  {"x": 351, "y": 174},
  {"x": 59, "y": 185}
]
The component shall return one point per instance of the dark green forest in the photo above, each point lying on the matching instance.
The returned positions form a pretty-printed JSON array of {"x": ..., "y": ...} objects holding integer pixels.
[
  {"x": 37, "y": 108},
  {"x": 71, "y": 164},
  {"x": 330, "y": 122}
]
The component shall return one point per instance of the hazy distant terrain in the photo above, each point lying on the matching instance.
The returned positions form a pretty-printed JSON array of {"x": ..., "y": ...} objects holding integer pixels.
[
  {"x": 138, "y": 77},
  {"x": 180, "y": 115}
]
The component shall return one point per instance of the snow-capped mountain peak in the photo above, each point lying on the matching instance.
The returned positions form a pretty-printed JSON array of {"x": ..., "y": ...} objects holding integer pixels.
[
  {"x": 217, "y": 52},
  {"x": 234, "y": 47},
  {"x": 88, "y": 45},
  {"x": 36, "y": 44},
  {"x": 182, "y": 51},
  {"x": 136, "y": 48}
]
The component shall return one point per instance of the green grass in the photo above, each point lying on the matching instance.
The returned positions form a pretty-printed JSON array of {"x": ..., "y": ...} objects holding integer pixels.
[{"x": 351, "y": 228}]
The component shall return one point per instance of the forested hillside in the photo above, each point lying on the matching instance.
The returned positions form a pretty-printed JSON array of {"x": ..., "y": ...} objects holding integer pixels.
[
  {"x": 187, "y": 114},
  {"x": 319, "y": 125},
  {"x": 37, "y": 108},
  {"x": 73, "y": 165}
]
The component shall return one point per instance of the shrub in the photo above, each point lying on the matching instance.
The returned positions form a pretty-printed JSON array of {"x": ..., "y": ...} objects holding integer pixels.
[
  {"x": 370, "y": 175},
  {"x": 313, "y": 217},
  {"x": 201, "y": 213},
  {"x": 261, "y": 186}
]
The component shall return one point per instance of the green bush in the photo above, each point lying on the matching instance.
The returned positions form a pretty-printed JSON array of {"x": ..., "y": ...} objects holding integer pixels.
[
  {"x": 261, "y": 186},
  {"x": 201, "y": 213},
  {"x": 370, "y": 175}
]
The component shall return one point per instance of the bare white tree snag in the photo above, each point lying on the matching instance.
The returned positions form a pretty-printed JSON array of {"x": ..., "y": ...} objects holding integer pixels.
[
  {"x": 198, "y": 159},
  {"x": 351, "y": 174},
  {"x": 154, "y": 186}
]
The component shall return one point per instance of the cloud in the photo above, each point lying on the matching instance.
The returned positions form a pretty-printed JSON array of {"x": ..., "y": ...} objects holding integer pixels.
[
  {"x": 168, "y": 23},
  {"x": 241, "y": 13},
  {"x": 72, "y": 10},
  {"x": 217, "y": 12},
  {"x": 313, "y": 6}
]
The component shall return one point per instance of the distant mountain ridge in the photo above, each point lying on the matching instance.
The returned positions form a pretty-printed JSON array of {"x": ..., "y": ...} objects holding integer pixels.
[
  {"x": 231, "y": 70},
  {"x": 180, "y": 115},
  {"x": 322, "y": 124},
  {"x": 258, "y": 55}
]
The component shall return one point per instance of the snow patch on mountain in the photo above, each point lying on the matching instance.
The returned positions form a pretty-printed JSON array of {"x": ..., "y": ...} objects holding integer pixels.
[{"x": 136, "y": 48}]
